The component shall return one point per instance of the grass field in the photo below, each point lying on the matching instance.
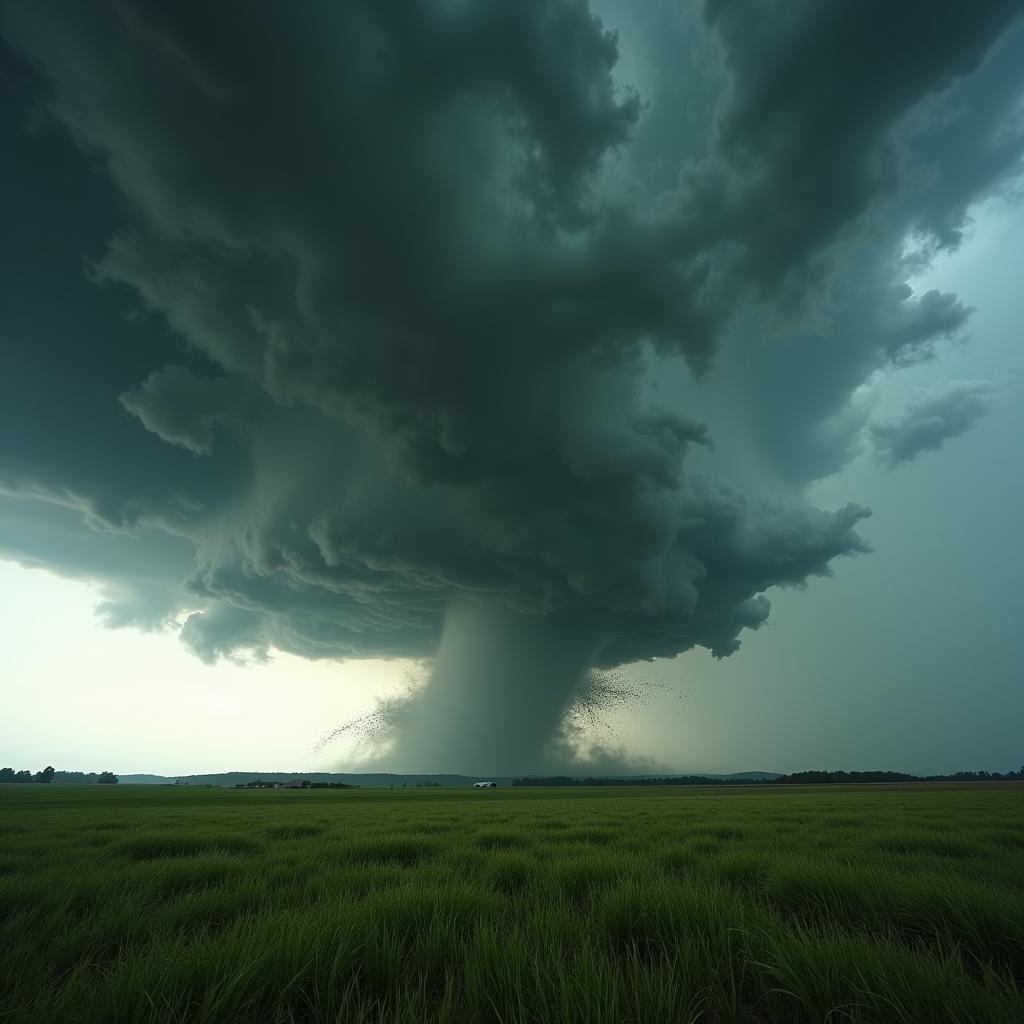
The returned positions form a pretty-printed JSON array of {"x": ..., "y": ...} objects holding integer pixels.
[{"x": 649, "y": 905}]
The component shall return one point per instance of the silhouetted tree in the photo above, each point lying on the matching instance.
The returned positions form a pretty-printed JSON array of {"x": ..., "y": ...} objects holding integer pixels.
[
  {"x": 46, "y": 775},
  {"x": 76, "y": 778},
  {"x": 107, "y": 778}
]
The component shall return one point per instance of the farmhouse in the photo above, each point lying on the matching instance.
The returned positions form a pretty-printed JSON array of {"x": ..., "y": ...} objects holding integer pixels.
[{"x": 485, "y": 785}]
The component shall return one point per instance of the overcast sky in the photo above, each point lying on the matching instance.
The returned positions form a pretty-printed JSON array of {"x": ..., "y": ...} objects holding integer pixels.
[{"x": 677, "y": 341}]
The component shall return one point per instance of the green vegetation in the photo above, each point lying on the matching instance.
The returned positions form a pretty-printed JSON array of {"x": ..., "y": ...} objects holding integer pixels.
[{"x": 173, "y": 904}]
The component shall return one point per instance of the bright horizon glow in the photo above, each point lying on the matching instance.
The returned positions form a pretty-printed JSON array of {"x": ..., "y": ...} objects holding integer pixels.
[{"x": 132, "y": 702}]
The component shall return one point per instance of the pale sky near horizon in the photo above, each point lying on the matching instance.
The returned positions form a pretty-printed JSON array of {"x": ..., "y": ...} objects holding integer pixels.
[{"x": 603, "y": 337}]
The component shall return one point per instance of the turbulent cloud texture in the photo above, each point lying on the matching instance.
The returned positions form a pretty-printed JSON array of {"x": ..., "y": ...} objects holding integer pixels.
[
  {"x": 401, "y": 280},
  {"x": 932, "y": 417}
]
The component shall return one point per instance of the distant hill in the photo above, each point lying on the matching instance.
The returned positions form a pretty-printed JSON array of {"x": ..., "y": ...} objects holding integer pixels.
[
  {"x": 370, "y": 780},
  {"x": 383, "y": 780},
  {"x": 374, "y": 780}
]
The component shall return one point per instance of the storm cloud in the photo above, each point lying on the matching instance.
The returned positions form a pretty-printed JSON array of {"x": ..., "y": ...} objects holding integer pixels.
[
  {"x": 393, "y": 312},
  {"x": 932, "y": 417}
]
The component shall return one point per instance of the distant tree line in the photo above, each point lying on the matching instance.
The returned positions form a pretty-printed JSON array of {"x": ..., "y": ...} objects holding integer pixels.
[
  {"x": 49, "y": 774},
  {"x": 672, "y": 780},
  {"x": 797, "y": 778}
]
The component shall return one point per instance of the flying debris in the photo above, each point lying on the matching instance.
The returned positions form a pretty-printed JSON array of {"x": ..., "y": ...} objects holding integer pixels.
[{"x": 604, "y": 692}]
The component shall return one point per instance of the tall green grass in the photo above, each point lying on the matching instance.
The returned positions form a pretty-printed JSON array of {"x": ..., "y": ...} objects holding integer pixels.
[{"x": 157, "y": 904}]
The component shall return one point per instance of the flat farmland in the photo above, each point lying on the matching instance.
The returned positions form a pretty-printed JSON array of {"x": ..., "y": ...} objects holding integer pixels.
[{"x": 550, "y": 905}]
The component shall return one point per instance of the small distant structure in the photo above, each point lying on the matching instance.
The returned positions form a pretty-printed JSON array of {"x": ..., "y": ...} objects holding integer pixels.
[
  {"x": 296, "y": 784},
  {"x": 485, "y": 785}
]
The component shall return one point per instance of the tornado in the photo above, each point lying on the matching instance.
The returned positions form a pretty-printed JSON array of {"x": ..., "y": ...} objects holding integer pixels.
[{"x": 498, "y": 691}]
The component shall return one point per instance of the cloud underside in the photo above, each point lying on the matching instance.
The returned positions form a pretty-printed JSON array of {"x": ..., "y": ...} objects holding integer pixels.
[
  {"x": 932, "y": 417},
  {"x": 405, "y": 275}
]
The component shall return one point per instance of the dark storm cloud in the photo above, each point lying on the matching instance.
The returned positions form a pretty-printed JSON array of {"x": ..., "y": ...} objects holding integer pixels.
[
  {"x": 804, "y": 140},
  {"x": 403, "y": 272},
  {"x": 794, "y": 377},
  {"x": 139, "y": 576},
  {"x": 184, "y": 409},
  {"x": 932, "y": 417},
  {"x": 845, "y": 169}
]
